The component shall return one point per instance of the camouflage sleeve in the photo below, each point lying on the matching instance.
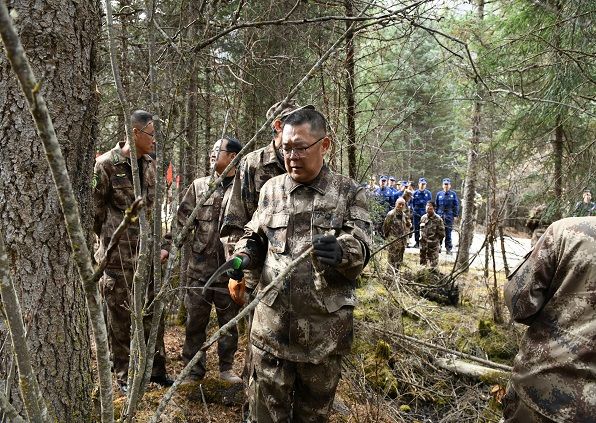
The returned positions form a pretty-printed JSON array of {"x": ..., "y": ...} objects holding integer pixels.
[
  {"x": 187, "y": 205},
  {"x": 387, "y": 224},
  {"x": 236, "y": 214},
  {"x": 101, "y": 186},
  {"x": 254, "y": 241},
  {"x": 356, "y": 247},
  {"x": 528, "y": 286}
]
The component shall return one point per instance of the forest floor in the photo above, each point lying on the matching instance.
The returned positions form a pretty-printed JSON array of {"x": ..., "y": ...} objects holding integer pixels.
[{"x": 386, "y": 378}]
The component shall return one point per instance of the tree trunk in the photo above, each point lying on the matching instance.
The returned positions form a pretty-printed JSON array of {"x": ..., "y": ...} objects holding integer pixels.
[
  {"x": 558, "y": 167},
  {"x": 30, "y": 217},
  {"x": 350, "y": 95},
  {"x": 467, "y": 214}
]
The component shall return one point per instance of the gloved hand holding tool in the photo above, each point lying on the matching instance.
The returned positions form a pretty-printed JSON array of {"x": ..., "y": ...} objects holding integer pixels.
[
  {"x": 232, "y": 268},
  {"x": 327, "y": 249}
]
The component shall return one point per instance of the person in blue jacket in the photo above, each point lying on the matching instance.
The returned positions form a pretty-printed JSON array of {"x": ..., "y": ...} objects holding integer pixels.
[
  {"x": 394, "y": 190},
  {"x": 384, "y": 194},
  {"x": 448, "y": 209},
  {"x": 419, "y": 199}
]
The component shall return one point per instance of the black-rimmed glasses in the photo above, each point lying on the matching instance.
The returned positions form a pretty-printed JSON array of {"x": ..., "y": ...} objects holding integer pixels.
[{"x": 298, "y": 151}]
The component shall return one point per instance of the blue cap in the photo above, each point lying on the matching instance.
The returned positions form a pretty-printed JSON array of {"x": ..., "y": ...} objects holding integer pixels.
[
  {"x": 422, "y": 181},
  {"x": 382, "y": 178},
  {"x": 392, "y": 178},
  {"x": 405, "y": 183},
  {"x": 446, "y": 181}
]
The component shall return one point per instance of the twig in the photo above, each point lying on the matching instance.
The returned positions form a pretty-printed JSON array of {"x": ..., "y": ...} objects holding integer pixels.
[
  {"x": 129, "y": 215},
  {"x": 205, "y": 402},
  {"x": 443, "y": 349},
  {"x": 9, "y": 411},
  {"x": 275, "y": 284},
  {"x": 82, "y": 256},
  {"x": 33, "y": 400}
]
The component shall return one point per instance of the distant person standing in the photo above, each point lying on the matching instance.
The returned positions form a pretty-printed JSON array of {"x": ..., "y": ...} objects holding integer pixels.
[
  {"x": 395, "y": 228},
  {"x": 432, "y": 231},
  {"x": 586, "y": 207},
  {"x": 553, "y": 292},
  {"x": 384, "y": 194},
  {"x": 419, "y": 199},
  {"x": 448, "y": 208},
  {"x": 393, "y": 187}
]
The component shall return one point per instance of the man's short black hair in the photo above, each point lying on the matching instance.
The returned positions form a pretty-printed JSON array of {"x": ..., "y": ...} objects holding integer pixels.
[
  {"x": 317, "y": 122},
  {"x": 140, "y": 118},
  {"x": 233, "y": 145},
  {"x": 432, "y": 203}
]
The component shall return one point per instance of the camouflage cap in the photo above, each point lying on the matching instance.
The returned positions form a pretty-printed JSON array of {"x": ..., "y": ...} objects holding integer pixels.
[{"x": 287, "y": 108}]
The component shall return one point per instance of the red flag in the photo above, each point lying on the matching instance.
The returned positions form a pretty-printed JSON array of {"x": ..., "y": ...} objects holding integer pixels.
[{"x": 170, "y": 174}]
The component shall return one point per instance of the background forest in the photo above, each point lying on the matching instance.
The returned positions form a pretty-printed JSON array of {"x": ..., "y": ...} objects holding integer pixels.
[{"x": 497, "y": 95}]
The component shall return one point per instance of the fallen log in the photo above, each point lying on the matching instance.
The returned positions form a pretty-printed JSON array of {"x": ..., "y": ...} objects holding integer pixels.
[{"x": 475, "y": 371}]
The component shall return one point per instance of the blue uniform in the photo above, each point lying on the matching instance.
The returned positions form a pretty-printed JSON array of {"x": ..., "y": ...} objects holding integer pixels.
[
  {"x": 385, "y": 197},
  {"x": 448, "y": 209},
  {"x": 419, "y": 200},
  {"x": 394, "y": 196}
]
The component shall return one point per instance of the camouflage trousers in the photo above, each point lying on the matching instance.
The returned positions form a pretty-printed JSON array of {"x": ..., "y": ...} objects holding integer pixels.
[
  {"x": 396, "y": 254},
  {"x": 115, "y": 289},
  {"x": 516, "y": 411},
  {"x": 429, "y": 253},
  {"x": 198, "y": 309},
  {"x": 283, "y": 391}
]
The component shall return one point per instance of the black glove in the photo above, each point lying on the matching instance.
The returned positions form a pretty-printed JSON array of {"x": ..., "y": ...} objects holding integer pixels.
[
  {"x": 240, "y": 263},
  {"x": 327, "y": 249}
]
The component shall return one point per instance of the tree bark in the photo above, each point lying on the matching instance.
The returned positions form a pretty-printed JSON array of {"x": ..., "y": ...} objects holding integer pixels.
[
  {"x": 468, "y": 210},
  {"x": 350, "y": 94},
  {"x": 39, "y": 252}
]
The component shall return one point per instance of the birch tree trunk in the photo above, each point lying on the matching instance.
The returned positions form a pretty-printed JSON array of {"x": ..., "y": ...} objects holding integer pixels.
[{"x": 60, "y": 40}]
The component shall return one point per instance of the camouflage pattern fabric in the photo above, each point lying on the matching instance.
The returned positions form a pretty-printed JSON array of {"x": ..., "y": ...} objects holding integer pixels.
[
  {"x": 516, "y": 411},
  {"x": 554, "y": 292},
  {"x": 254, "y": 170},
  {"x": 115, "y": 290},
  {"x": 432, "y": 231},
  {"x": 207, "y": 255},
  {"x": 273, "y": 380},
  {"x": 113, "y": 193},
  {"x": 300, "y": 322},
  {"x": 309, "y": 319},
  {"x": 397, "y": 224}
]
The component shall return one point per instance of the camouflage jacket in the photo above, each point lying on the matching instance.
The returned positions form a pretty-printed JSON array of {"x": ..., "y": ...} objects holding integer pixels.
[
  {"x": 397, "y": 225},
  {"x": 113, "y": 193},
  {"x": 207, "y": 249},
  {"x": 554, "y": 292},
  {"x": 432, "y": 229},
  {"x": 254, "y": 170},
  {"x": 310, "y": 316}
]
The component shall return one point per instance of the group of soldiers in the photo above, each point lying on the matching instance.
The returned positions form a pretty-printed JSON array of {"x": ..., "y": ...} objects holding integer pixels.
[
  {"x": 404, "y": 207},
  {"x": 266, "y": 213},
  {"x": 278, "y": 202}
]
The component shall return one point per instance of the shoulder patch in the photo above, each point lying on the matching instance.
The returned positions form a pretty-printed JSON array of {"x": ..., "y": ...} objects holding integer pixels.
[{"x": 95, "y": 180}]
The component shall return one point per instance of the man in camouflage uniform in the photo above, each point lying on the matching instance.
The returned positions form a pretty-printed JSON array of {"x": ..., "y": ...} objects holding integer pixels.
[
  {"x": 396, "y": 226},
  {"x": 301, "y": 330},
  {"x": 254, "y": 170},
  {"x": 113, "y": 193},
  {"x": 586, "y": 207},
  {"x": 432, "y": 231},
  {"x": 207, "y": 255},
  {"x": 553, "y": 292}
]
